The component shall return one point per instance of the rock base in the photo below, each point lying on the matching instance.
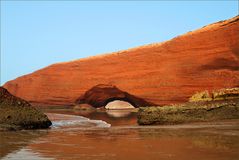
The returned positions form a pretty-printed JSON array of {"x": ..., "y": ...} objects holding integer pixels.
[
  {"x": 189, "y": 112},
  {"x": 16, "y": 114}
]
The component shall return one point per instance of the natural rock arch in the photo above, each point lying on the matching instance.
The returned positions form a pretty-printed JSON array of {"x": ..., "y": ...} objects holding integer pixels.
[{"x": 100, "y": 95}]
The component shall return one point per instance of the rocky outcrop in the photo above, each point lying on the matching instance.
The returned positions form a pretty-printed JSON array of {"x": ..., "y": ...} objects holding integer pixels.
[
  {"x": 16, "y": 113},
  {"x": 101, "y": 95},
  {"x": 189, "y": 112},
  {"x": 161, "y": 73},
  {"x": 222, "y": 94}
]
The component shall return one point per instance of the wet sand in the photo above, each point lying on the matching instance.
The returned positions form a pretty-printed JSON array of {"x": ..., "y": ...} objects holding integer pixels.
[{"x": 104, "y": 137}]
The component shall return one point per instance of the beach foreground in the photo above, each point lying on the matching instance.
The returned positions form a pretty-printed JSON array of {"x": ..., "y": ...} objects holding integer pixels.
[{"x": 107, "y": 137}]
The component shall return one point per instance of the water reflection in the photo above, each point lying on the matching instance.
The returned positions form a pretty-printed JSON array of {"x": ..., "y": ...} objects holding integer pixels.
[
  {"x": 126, "y": 140},
  {"x": 25, "y": 154},
  {"x": 138, "y": 143},
  {"x": 13, "y": 141},
  {"x": 118, "y": 113},
  {"x": 113, "y": 117}
]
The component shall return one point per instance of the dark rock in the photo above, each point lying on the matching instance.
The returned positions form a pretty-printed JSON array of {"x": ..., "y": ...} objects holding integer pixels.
[
  {"x": 101, "y": 94},
  {"x": 16, "y": 113},
  {"x": 189, "y": 112}
]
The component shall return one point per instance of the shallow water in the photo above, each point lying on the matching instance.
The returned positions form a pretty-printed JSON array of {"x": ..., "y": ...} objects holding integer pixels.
[{"x": 116, "y": 135}]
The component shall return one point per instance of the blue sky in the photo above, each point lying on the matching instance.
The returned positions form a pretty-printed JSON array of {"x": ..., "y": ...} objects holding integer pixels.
[{"x": 36, "y": 34}]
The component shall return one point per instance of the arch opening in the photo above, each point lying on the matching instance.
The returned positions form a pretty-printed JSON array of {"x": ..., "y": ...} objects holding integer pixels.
[{"x": 119, "y": 104}]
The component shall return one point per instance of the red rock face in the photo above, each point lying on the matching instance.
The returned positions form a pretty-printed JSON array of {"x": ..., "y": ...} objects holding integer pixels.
[{"x": 161, "y": 73}]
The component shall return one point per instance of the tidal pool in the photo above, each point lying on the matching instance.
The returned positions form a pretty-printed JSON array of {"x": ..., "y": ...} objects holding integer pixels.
[{"x": 103, "y": 135}]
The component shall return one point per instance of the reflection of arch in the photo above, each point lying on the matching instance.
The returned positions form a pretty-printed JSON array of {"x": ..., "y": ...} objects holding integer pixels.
[{"x": 101, "y": 95}]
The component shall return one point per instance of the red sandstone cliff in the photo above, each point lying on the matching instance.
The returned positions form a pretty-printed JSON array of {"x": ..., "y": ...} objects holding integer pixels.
[{"x": 160, "y": 73}]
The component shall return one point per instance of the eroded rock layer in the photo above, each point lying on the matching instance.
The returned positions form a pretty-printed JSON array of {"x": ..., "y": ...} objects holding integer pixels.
[{"x": 161, "y": 73}]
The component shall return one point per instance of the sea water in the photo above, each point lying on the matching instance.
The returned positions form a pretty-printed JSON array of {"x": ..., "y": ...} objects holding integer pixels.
[{"x": 107, "y": 135}]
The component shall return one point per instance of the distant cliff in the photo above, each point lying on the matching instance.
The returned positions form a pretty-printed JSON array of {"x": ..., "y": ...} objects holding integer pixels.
[{"x": 161, "y": 73}]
